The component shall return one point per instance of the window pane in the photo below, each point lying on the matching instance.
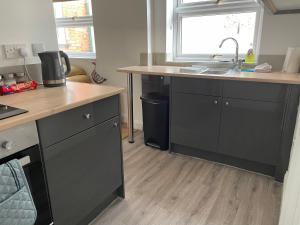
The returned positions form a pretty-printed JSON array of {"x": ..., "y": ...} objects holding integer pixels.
[
  {"x": 76, "y": 39},
  {"x": 72, "y": 9},
  {"x": 203, "y": 35}
]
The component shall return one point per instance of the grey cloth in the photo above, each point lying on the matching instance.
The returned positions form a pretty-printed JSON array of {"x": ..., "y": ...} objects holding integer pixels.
[{"x": 16, "y": 203}]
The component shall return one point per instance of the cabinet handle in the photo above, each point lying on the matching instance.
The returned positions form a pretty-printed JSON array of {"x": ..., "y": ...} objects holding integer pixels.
[
  {"x": 227, "y": 103},
  {"x": 87, "y": 116},
  {"x": 216, "y": 102},
  {"x": 115, "y": 124},
  {"x": 7, "y": 145}
]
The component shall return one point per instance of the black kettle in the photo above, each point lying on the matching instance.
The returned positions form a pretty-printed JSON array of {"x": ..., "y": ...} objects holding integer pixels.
[{"x": 53, "y": 71}]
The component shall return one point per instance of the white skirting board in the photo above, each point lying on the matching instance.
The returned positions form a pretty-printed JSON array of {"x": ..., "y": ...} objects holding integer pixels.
[
  {"x": 290, "y": 208},
  {"x": 138, "y": 125}
]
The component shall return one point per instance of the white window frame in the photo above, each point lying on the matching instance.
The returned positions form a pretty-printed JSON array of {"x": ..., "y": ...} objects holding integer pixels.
[
  {"x": 82, "y": 21},
  {"x": 176, "y": 11}
]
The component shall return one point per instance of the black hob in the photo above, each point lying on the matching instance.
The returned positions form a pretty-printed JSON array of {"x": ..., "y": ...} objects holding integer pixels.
[{"x": 7, "y": 111}]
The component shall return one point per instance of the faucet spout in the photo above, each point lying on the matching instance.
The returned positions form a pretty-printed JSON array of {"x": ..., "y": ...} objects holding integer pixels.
[{"x": 236, "y": 59}]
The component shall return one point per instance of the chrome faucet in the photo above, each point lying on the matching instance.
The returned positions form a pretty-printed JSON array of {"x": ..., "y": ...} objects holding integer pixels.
[{"x": 236, "y": 59}]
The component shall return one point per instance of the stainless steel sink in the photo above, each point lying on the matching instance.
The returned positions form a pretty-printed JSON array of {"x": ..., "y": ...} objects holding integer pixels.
[
  {"x": 193, "y": 69},
  {"x": 217, "y": 71},
  {"x": 209, "y": 70}
]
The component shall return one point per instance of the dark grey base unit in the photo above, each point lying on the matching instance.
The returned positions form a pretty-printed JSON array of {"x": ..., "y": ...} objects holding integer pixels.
[
  {"x": 82, "y": 157},
  {"x": 244, "y": 124}
]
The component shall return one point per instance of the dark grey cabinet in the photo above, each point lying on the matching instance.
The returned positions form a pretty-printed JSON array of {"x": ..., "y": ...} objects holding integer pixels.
[
  {"x": 82, "y": 171},
  {"x": 197, "y": 86},
  {"x": 244, "y": 124},
  {"x": 82, "y": 157},
  {"x": 251, "y": 130},
  {"x": 195, "y": 120},
  {"x": 254, "y": 91}
]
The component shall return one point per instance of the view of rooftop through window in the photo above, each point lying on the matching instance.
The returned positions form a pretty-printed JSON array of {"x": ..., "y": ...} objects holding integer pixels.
[
  {"x": 72, "y": 9},
  {"x": 73, "y": 36}
]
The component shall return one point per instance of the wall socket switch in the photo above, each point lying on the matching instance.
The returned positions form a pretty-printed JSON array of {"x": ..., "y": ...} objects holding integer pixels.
[
  {"x": 13, "y": 51},
  {"x": 37, "y": 48}
]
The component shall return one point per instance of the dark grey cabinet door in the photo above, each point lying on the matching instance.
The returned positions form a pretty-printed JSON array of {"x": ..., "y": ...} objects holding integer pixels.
[
  {"x": 82, "y": 171},
  {"x": 251, "y": 130},
  {"x": 195, "y": 121}
]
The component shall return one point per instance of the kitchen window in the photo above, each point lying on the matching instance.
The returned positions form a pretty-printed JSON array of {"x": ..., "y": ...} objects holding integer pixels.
[
  {"x": 195, "y": 28},
  {"x": 75, "y": 29}
]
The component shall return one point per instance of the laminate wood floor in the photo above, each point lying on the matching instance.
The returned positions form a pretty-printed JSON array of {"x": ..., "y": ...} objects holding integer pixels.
[{"x": 169, "y": 189}]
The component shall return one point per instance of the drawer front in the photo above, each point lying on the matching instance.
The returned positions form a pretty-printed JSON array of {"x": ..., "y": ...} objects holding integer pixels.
[
  {"x": 254, "y": 91},
  {"x": 63, "y": 125},
  {"x": 66, "y": 124},
  {"x": 197, "y": 86},
  {"x": 17, "y": 139},
  {"x": 106, "y": 109}
]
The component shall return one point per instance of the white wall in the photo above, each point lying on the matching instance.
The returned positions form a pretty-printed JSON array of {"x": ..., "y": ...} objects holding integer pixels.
[
  {"x": 121, "y": 35},
  {"x": 85, "y": 64},
  {"x": 26, "y": 22},
  {"x": 279, "y": 31}
]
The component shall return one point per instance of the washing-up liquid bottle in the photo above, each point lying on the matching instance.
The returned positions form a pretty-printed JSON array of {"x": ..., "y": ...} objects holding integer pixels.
[
  {"x": 249, "y": 61},
  {"x": 250, "y": 57}
]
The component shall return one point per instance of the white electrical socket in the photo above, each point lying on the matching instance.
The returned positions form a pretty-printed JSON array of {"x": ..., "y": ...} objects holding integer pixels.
[
  {"x": 23, "y": 52},
  {"x": 37, "y": 48},
  {"x": 13, "y": 51}
]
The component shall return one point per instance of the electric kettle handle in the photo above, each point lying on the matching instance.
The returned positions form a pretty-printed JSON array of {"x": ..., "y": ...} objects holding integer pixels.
[{"x": 65, "y": 56}]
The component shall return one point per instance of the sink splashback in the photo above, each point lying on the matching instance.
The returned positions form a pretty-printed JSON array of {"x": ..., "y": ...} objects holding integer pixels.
[{"x": 159, "y": 59}]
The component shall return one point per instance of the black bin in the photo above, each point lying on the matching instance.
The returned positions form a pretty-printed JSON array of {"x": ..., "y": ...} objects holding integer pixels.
[{"x": 156, "y": 120}]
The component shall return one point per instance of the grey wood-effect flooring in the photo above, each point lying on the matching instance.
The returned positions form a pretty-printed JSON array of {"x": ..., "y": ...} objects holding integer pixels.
[{"x": 169, "y": 189}]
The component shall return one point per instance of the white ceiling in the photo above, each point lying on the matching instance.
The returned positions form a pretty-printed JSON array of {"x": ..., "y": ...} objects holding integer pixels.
[{"x": 287, "y": 4}]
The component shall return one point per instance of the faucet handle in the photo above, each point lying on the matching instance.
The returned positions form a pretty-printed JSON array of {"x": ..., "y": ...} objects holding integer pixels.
[
  {"x": 240, "y": 62},
  {"x": 215, "y": 56}
]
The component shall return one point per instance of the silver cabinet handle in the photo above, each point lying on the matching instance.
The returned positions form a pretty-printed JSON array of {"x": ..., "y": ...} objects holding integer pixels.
[
  {"x": 115, "y": 124},
  {"x": 87, "y": 116},
  {"x": 216, "y": 102},
  {"x": 8, "y": 145}
]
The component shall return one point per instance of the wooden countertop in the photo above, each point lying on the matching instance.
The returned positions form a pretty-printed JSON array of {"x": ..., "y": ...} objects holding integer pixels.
[
  {"x": 45, "y": 102},
  {"x": 276, "y": 77}
]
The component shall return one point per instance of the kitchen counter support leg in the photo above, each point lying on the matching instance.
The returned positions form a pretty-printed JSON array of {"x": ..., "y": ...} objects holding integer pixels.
[{"x": 130, "y": 108}]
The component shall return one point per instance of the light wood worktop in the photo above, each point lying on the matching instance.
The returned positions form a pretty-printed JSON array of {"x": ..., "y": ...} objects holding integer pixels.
[
  {"x": 276, "y": 77},
  {"x": 45, "y": 102}
]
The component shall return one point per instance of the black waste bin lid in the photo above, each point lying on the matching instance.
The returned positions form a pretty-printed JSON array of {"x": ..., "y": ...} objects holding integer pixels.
[{"x": 155, "y": 97}]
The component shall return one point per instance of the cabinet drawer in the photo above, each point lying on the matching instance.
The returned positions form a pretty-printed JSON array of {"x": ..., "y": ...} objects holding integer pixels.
[
  {"x": 66, "y": 124},
  {"x": 197, "y": 86},
  {"x": 18, "y": 139},
  {"x": 254, "y": 91},
  {"x": 106, "y": 109},
  {"x": 63, "y": 125}
]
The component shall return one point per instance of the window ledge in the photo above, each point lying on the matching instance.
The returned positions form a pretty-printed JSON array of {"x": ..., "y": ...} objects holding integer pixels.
[{"x": 82, "y": 56}]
